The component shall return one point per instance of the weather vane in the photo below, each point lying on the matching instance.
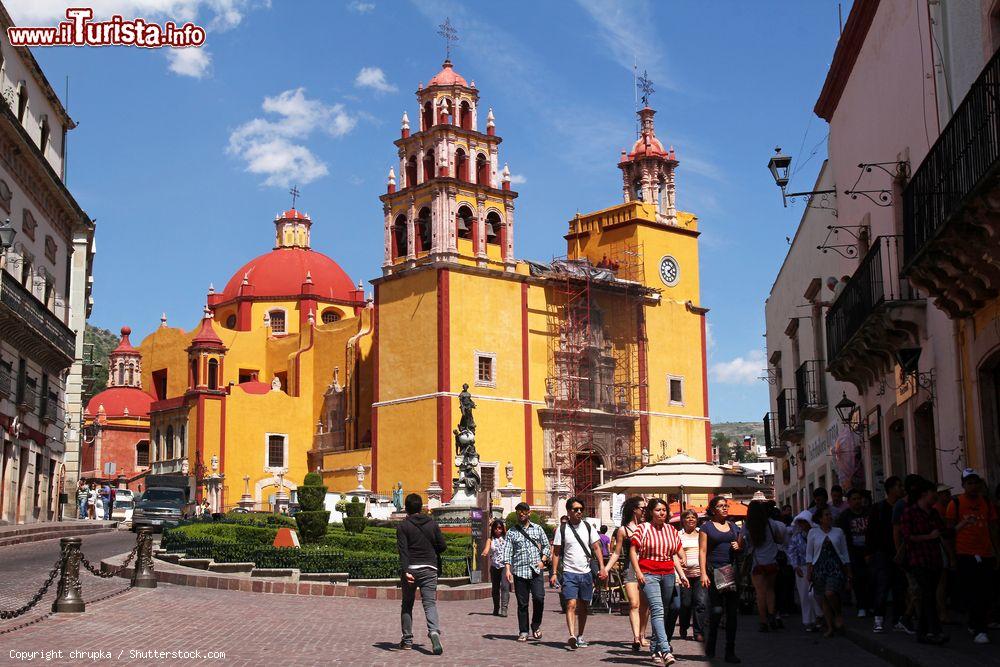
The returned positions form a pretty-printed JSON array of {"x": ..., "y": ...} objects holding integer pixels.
[
  {"x": 295, "y": 194},
  {"x": 645, "y": 84},
  {"x": 447, "y": 30}
]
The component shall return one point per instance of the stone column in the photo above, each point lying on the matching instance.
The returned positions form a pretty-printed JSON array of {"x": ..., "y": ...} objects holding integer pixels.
[
  {"x": 510, "y": 262},
  {"x": 481, "y": 230},
  {"x": 411, "y": 251},
  {"x": 387, "y": 258}
]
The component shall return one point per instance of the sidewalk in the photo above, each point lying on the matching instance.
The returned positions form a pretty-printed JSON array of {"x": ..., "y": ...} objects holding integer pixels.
[
  {"x": 903, "y": 650},
  {"x": 50, "y": 530}
]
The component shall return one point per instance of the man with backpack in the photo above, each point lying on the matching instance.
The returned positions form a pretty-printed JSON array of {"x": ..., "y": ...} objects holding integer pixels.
[
  {"x": 526, "y": 557},
  {"x": 579, "y": 547},
  {"x": 420, "y": 544}
]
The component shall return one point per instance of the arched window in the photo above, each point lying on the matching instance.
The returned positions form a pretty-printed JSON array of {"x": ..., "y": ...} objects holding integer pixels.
[
  {"x": 213, "y": 373},
  {"x": 427, "y": 118},
  {"x": 231, "y": 322},
  {"x": 277, "y": 321},
  {"x": 661, "y": 194},
  {"x": 121, "y": 373},
  {"x": 428, "y": 166},
  {"x": 131, "y": 376},
  {"x": 482, "y": 170},
  {"x": 465, "y": 223},
  {"x": 169, "y": 448},
  {"x": 461, "y": 165},
  {"x": 330, "y": 316},
  {"x": 22, "y": 100},
  {"x": 194, "y": 372},
  {"x": 637, "y": 190},
  {"x": 465, "y": 116},
  {"x": 423, "y": 230},
  {"x": 182, "y": 442},
  {"x": 399, "y": 236},
  {"x": 46, "y": 131},
  {"x": 493, "y": 227},
  {"x": 142, "y": 454},
  {"x": 157, "y": 446},
  {"x": 411, "y": 172}
]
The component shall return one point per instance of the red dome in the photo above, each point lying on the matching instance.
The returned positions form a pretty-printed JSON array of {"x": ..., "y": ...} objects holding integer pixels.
[
  {"x": 447, "y": 77},
  {"x": 644, "y": 148},
  {"x": 116, "y": 399},
  {"x": 281, "y": 272}
]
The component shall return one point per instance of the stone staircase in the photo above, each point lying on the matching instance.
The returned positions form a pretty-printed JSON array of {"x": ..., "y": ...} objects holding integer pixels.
[{"x": 51, "y": 530}]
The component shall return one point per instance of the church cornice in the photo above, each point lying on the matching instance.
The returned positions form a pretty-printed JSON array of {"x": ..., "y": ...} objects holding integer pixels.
[
  {"x": 445, "y": 128},
  {"x": 652, "y": 224},
  {"x": 461, "y": 186}
]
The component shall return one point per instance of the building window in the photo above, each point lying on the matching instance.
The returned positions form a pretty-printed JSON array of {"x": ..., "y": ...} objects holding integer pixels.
[
  {"x": 276, "y": 450},
  {"x": 158, "y": 446},
  {"x": 330, "y": 316},
  {"x": 160, "y": 383},
  {"x": 277, "y": 321},
  {"x": 486, "y": 369},
  {"x": 22, "y": 100},
  {"x": 676, "y": 390},
  {"x": 169, "y": 450},
  {"x": 46, "y": 131},
  {"x": 231, "y": 322},
  {"x": 142, "y": 454},
  {"x": 213, "y": 373},
  {"x": 28, "y": 224}
]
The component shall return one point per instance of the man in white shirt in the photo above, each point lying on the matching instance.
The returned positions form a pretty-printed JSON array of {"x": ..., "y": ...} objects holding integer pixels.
[{"x": 576, "y": 544}]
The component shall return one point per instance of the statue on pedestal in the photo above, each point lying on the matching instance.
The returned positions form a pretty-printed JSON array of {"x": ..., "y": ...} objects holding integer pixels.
[
  {"x": 467, "y": 458},
  {"x": 467, "y": 423},
  {"x": 397, "y": 497}
]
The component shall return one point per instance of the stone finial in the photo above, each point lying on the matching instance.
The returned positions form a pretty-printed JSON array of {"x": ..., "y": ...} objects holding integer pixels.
[
  {"x": 163, "y": 320},
  {"x": 267, "y": 320},
  {"x": 361, "y": 286},
  {"x": 406, "y": 122},
  {"x": 246, "y": 278},
  {"x": 490, "y": 120},
  {"x": 505, "y": 174},
  {"x": 208, "y": 313},
  {"x": 312, "y": 316},
  {"x": 309, "y": 277},
  {"x": 211, "y": 288},
  {"x": 392, "y": 176},
  {"x": 125, "y": 411}
]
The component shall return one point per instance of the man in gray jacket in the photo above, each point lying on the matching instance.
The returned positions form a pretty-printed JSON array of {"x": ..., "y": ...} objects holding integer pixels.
[{"x": 420, "y": 545}]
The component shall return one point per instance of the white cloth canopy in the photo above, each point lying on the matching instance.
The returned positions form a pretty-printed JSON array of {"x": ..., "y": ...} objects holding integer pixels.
[{"x": 680, "y": 474}]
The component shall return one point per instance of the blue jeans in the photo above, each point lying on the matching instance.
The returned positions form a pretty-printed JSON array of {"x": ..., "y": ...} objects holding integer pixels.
[
  {"x": 661, "y": 593},
  {"x": 83, "y": 509}
]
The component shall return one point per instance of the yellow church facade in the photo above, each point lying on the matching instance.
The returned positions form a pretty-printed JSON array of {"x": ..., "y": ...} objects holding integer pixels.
[{"x": 581, "y": 367}]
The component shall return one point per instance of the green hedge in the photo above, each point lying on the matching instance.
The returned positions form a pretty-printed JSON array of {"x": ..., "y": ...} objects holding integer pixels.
[
  {"x": 354, "y": 524},
  {"x": 371, "y": 555},
  {"x": 266, "y": 520}
]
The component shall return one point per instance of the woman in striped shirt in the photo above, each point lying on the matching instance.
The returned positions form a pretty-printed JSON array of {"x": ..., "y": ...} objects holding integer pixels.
[{"x": 655, "y": 558}]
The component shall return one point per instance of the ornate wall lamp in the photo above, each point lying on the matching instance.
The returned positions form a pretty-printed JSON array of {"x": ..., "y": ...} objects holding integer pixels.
[
  {"x": 780, "y": 166},
  {"x": 849, "y": 412}
]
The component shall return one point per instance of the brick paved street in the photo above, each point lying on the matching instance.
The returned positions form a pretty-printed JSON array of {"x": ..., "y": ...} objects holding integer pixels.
[
  {"x": 291, "y": 630},
  {"x": 24, "y": 567}
]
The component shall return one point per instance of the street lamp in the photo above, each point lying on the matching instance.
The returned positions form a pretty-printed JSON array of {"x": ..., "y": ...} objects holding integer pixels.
[
  {"x": 780, "y": 166},
  {"x": 7, "y": 233},
  {"x": 848, "y": 410}
]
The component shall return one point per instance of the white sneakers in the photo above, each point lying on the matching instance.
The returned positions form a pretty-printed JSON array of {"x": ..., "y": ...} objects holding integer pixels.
[
  {"x": 981, "y": 638},
  {"x": 879, "y": 627}
]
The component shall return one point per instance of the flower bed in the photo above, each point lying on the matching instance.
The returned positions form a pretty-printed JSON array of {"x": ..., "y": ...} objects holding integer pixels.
[{"x": 369, "y": 555}]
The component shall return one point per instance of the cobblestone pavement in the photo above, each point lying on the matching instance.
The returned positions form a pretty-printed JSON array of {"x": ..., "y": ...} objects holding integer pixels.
[
  {"x": 255, "y": 629},
  {"x": 24, "y": 568}
]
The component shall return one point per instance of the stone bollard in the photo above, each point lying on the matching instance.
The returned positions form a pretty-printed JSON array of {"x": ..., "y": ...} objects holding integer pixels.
[
  {"x": 68, "y": 597},
  {"x": 143, "y": 575}
]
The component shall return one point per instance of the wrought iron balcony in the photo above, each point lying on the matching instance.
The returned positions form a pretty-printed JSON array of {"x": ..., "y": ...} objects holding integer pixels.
[
  {"x": 772, "y": 443},
  {"x": 6, "y": 382},
  {"x": 810, "y": 389},
  {"x": 877, "y": 313},
  {"x": 789, "y": 425},
  {"x": 951, "y": 206},
  {"x": 33, "y": 328}
]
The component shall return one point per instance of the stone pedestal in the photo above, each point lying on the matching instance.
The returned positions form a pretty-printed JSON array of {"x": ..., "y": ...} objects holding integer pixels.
[
  {"x": 509, "y": 497},
  {"x": 434, "y": 495},
  {"x": 462, "y": 498},
  {"x": 247, "y": 502},
  {"x": 281, "y": 502},
  {"x": 603, "y": 509}
]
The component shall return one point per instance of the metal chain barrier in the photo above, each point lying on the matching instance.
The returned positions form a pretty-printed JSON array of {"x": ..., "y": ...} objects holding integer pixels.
[
  {"x": 113, "y": 572},
  {"x": 6, "y": 615}
]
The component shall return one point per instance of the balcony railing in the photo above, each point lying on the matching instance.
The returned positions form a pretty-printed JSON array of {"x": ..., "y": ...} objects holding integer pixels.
[
  {"x": 789, "y": 426},
  {"x": 809, "y": 387},
  {"x": 773, "y": 445},
  {"x": 26, "y": 307},
  {"x": 964, "y": 155},
  {"x": 28, "y": 400},
  {"x": 6, "y": 381},
  {"x": 875, "y": 282}
]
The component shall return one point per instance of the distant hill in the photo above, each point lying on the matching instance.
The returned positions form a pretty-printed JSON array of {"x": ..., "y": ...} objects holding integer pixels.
[
  {"x": 97, "y": 344},
  {"x": 736, "y": 430}
]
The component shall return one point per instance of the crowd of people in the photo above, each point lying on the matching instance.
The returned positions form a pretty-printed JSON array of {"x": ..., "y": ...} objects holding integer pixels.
[{"x": 906, "y": 561}]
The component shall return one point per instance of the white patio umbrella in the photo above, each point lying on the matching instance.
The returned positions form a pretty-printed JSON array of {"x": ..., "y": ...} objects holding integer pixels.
[{"x": 680, "y": 474}]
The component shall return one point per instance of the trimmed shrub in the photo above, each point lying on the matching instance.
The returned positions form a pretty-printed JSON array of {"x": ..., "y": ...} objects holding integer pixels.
[
  {"x": 354, "y": 524},
  {"x": 267, "y": 520},
  {"x": 311, "y": 518},
  {"x": 355, "y": 508}
]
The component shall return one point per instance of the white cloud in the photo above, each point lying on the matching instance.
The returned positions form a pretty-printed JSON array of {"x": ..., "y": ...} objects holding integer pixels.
[
  {"x": 518, "y": 179},
  {"x": 374, "y": 77},
  {"x": 361, "y": 7},
  {"x": 192, "y": 61},
  {"x": 628, "y": 31},
  {"x": 741, "y": 370},
  {"x": 273, "y": 148}
]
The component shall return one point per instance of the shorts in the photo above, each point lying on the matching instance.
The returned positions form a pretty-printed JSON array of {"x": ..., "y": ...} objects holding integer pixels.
[
  {"x": 769, "y": 568},
  {"x": 578, "y": 586},
  {"x": 628, "y": 577}
]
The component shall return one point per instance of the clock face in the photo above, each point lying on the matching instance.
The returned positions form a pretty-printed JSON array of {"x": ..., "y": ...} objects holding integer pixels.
[{"x": 669, "y": 271}]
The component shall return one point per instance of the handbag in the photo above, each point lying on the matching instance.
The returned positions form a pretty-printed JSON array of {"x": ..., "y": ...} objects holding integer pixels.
[
  {"x": 595, "y": 570},
  {"x": 724, "y": 578}
]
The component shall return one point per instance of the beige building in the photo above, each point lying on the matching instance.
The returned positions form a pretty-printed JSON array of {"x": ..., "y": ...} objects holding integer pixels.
[{"x": 44, "y": 293}]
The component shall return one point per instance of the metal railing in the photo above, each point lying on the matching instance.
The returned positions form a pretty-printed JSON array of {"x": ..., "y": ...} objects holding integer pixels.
[
  {"x": 788, "y": 418},
  {"x": 965, "y": 153},
  {"x": 33, "y": 312},
  {"x": 6, "y": 381},
  {"x": 772, "y": 441},
  {"x": 809, "y": 385},
  {"x": 875, "y": 282}
]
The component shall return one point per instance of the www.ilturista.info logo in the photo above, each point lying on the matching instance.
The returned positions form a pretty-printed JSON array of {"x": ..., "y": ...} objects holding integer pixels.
[{"x": 79, "y": 30}]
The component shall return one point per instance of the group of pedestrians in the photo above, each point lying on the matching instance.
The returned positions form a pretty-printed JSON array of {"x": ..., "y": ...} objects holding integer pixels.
[{"x": 94, "y": 500}]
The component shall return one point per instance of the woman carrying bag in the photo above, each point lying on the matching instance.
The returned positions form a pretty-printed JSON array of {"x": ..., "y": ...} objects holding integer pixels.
[{"x": 719, "y": 542}]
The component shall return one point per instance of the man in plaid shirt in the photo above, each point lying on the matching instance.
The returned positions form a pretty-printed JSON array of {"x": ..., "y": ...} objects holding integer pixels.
[{"x": 526, "y": 556}]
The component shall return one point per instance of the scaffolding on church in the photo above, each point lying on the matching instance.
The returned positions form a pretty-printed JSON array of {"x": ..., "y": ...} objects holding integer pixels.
[{"x": 593, "y": 379}]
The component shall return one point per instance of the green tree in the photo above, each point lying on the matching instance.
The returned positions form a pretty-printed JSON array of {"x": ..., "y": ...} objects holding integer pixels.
[{"x": 97, "y": 345}]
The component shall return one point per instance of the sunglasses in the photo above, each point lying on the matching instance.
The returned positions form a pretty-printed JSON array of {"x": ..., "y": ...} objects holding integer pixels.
[{"x": 575, "y": 509}]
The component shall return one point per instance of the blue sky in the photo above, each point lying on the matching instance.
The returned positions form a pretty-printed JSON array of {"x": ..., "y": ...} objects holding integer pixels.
[{"x": 184, "y": 158}]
